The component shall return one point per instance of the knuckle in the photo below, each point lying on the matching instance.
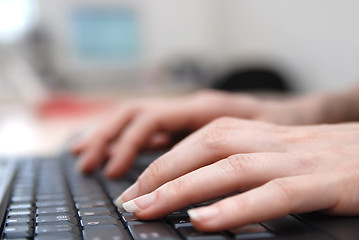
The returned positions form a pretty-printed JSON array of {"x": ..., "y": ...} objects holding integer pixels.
[
  {"x": 177, "y": 188},
  {"x": 307, "y": 162},
  {"x": 177, "y": 185},
  {"x": 213, "y": 138},
  {"x": 296, "y": 136},
  {"x": 236, "y": 165},
  {"x": 152, "y": 172},
  {"x": 285, "y": 190}
]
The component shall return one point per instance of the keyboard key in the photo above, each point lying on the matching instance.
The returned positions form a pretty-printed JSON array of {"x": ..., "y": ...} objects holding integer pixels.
[
  {"x": 54, "y": 210},
  {"x": 92, "y": 204},
  {"x": 129, "y": 217},
  {"x": 251, "y": 228},
  {"x": 105, "y": 233},
  {"x": 100, "y": 211},
  {"x": 57, "y": 219},
  {"x": 57, "y": 228},
  {"x": 190, "y": 233},
  {"x": 92, "y": 197},
  {"x": 287, "y": 225},
  {"x": 338, "y": 227},
  {"x": 18, "y": 231},
  {"x": 115, "y": 188},
  {"x": 47, "y": 197},
  {"x": 51, "y": 203},
  {"x": 19, "y": 220},
  {"x": 178, "y": 222},
  {"x": 21, "y": 199},
  {"x": 86, "y": 190},
  {"x": 52, "y": 190},
  {"x": 100, "y": 220},
  {"x": 22, "y": 212},
  {"x": 179, "y": 213},
  {"x": 20, "y": 206},
  {"x": 152, "y": 231},
  {"x": 251, "y": 231},
  {"x": 57, "y": 236}
]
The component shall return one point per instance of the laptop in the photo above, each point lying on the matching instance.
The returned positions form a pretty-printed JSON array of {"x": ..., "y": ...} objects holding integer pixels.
[{"x": 44, "y": 198}]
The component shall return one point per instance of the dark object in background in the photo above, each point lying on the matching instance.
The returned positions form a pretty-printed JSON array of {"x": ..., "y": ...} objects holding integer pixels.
[{"x": 252, "y": 79}]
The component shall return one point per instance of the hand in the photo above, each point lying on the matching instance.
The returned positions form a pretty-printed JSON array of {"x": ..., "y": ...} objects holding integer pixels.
[
  {"x": 155, "y": 123},
  {"x": 279, "y": 169}
]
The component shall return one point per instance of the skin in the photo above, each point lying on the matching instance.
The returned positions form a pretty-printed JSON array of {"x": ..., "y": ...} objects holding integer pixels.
[
  {"x": 156, "y": 123},
  {"x": 280, "y": 168}
]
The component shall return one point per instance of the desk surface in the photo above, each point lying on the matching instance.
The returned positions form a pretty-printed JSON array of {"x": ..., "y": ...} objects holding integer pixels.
[
  {"x": 23, "y": 131},
  {"x": 27, "y": 130}
]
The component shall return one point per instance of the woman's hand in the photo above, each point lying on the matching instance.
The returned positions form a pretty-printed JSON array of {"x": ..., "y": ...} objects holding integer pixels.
[
  {"x": 279, "y": 169},
  {"x": 155, "y": 123}
]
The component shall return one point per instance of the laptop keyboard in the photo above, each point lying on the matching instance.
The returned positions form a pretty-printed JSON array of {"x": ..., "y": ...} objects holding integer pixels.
[{"x": 50, "y": 201}]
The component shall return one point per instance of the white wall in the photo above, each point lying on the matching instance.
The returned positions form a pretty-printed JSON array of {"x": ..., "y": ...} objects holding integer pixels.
[{"x": 316, "y": 41}]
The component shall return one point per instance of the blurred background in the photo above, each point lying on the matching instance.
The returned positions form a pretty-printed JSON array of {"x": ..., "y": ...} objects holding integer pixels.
[
  {"x": 160, "y": 46},
  {"x": 126, "y": 48}
]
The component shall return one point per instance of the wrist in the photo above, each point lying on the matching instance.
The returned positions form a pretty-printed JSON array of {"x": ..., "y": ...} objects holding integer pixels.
[
  {"x": 301, "y": 110},
  {"x": 341, "y": 107},
  {"x": 328, "y": 108}
]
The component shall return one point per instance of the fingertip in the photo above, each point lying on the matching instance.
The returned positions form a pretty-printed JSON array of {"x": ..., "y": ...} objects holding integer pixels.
[
  {"x": 202, "y": 218},
  {"x": 130, "y": 193},
  {"x": 112, "y": 172},
  {"x": 192, "y": 213},
  {"x": 111, "y": 151},
  {"x": 119, "y": 201},
  {"x": 81, "y": 166},
  {"x": 117, "y": 166},
  {"x": 77, "y": 147},
  {"x": 131, "y": 206},
  {"x": 87, "y": 162}
]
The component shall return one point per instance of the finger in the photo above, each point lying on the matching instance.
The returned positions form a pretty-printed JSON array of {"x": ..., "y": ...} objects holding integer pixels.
[
  {"x": 93, "y": 148},
  {"x": 137, "y": 134},
  {"x": 201, "y": 149},
  {"x": 132, "y": 140},
  {"x": 275, "y": 199},
  {"x": 91, "y": 159},
  {"x": 236, "y": 173},
  {"x": 77, "y": 147},
  {"x": 158, "y": 141}
]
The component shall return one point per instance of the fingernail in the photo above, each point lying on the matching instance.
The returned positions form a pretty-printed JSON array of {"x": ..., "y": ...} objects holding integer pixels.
[
  {"x": 140, "y": 203},
  {"x": 203, "y": 213},
  {"x": 129, "y": 193},
  {"x": 119, "y": 202}
]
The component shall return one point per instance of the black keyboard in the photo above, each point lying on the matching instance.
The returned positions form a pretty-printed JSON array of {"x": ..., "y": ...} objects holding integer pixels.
[{"x": 49, "y": 200}]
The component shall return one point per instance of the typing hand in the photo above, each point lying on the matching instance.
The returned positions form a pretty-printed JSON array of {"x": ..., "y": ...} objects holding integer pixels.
[
  {"x": 154, "y": 123},
  {"x": 279, "y": 169}
]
